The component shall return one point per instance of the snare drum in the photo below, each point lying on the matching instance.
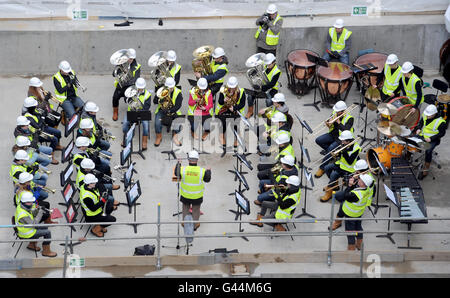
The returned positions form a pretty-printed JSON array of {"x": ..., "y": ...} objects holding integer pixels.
[
  {"x": 405, "y": 114},
  {"x": 334, "y": 82},
  {"x": 300, "y": 71},
  {"x": 370, "y": 78}
]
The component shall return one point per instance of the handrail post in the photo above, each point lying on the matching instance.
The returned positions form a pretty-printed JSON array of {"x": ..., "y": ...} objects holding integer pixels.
[
  {"x": 158, "y": 239},
  {"x": 65, "y": 256},
  {"x": 330, "y": 230}
]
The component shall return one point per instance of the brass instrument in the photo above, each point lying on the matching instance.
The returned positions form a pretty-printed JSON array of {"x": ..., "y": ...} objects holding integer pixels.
[
  {"x": 45, "y": 135},
  {"x": 373, "y": 171},
  {"x": 132, "y": 98},
  {"x": 200, "y": 102},
  {"x": 276, "y": 169},
  {"x": 122, "y": 71},
  {"x": 336, "y": 151},
  {"x": 43, "y": 171},
  {"x": 97, "y": 151},
  {"x": 162, "y": 68},
  {"x": 104, "y": 134},
  {"x": 97, "y": 172},
  {"x": 48, "y": 189},
  {"x": 202, "y": 61},
  {"x": 332, "y": 119},
  {"x": 76, "y": 82},
  {"x": 256, "y": 75},
  {"x": 230, "y": 99},
  {"x": 54, "y": 99},
  {"x": 165, "y": 101}
]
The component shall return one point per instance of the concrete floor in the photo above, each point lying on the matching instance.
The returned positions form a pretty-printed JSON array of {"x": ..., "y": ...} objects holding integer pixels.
[{"x": 155, "y": 173}]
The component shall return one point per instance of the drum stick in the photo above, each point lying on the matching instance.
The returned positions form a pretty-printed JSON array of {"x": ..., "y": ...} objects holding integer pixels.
[{"x": 358, "y": 66}]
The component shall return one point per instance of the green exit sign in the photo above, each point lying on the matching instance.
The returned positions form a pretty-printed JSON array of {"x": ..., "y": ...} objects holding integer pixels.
[
  {"x": 359, "y": 11},
  {"x": 80, "y": 15}
]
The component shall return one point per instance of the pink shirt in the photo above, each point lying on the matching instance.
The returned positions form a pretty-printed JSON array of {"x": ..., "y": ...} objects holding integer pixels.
[{"x": 197, "y": 111}]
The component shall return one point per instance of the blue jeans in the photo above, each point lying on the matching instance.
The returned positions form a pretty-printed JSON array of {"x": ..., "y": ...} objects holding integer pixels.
[
  {"x": 265, "y": 195},
  {"x": 70, "y": 104},
  {"x": 40, "y": 178},
  {"x": 344, "y": 58},
  {"x": 54, "y": 141},
  {"x": 126, "y": 126},
  {"x": 333, "y": 172},
  {"x": 42, "y": 232},
  {"x": 429, "y": 152},
  {"x": 159, "y": 125},
  {"x": 328, "y": 143}
]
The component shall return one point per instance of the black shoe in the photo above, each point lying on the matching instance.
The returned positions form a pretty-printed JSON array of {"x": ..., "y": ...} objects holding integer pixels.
[{"x": 323, "y": 152}]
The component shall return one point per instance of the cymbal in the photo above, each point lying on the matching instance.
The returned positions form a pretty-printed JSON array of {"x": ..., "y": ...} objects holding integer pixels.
[
  {"x": 372, "y": 93},
  {"x": 390, "y": 130},
  {"x": 443, "y": 98},
  {"x": 387, "y": 109}
]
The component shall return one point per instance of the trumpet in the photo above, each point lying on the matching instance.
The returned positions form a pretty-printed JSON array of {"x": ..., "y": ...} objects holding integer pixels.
[
  {"x": 48, "y": 189},
  {"x": 76, "y": 82},
  {"x": 54, "y": 99},
  {"x": 354, "y": 176},
  {"x": 201, "y": 98},
  {"x": 332, "y": 119},
  {"x": 42, "y": 171},
  {"x": 45, "y": 135},
  {"x": 97, "y": 172},
  {"x": 336, "y": 152}
]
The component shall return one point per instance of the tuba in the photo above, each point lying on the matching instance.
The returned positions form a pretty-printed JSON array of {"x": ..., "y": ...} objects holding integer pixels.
[
  {"x": 132, "y": 99},
  {"x": 256, "y": 74},
  {"x": 164, "y": 99},
  {"x": 122, "y": 70},
  {"x": 230, "y": 100},
  {"x": 161, "y": 71},
  {"x": 200, "y": 98},
  {"x": 202, "y": 61}
]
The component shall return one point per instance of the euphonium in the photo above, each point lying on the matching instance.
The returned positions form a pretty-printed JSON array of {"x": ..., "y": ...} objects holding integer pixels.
[
  {"x": 165, "y": 101},
  {"x": 202, "y": 61},
  {"x": 230, "y": 99}
]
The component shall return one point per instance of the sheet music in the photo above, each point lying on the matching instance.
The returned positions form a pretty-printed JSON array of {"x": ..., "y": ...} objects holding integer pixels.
[
  {"x": 130, "y": 133},
  {"x": 72, "y": 122},
  {"x": 134, "y": 192},
  {"x": 68, "y": 150},
  {"x": 68, "y": 173},
  {"x": 241, "y": 200},
  {"x": 390, "y": 194},
  {"x": 129, "y": 172},
  {"x": 68, "y": 193}
]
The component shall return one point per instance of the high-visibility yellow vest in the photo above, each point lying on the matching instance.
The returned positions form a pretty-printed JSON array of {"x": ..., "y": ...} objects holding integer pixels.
[
  {"x": 410, "y": 89},
  {"x": 432, "y": 128},
  {"x": 338, "y": 45},
  {"x": 94, "y": 195},
  {"x": 94, "y": 128},
  {"x": 19, "y": 195},
  {"x": 62, "y": 96},
  {"x": 288, "y": 150},
  {"x": 391, "y": 79},
  {"x": 174, "y": 70},
  {"x": 357, "y": 209},
  {"x": 142, "y": 98},
  {"x": 275, "y": 70},
  {"x": 272, "y": 39},
  {"x": 343, "y": 163},
  {"x": 23, "y": 232},
  {"x": 191, "y": 109},
  {"x": 343, "y": 121},
  {"x": 175, "y": 93},
  {"x": 288, "y": 212},
  {"x": 283, "y": 176},
  {"x": 219, "y": 106},
  {"x": 17, "y": 168},
  {"x": 80, "y": 178},
  {"x": 215, "y": 67},
  {"x": 192, "y": 185},
  {"x": 35, "y": 118},
  {"x": 372, "y": 189}
]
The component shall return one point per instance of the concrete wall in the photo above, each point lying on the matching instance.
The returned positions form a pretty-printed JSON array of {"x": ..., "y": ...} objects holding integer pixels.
[{"x": 39, "y": 52}]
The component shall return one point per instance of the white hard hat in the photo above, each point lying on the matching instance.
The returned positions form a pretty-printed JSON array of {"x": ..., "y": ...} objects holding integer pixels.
[
  {"x": 91, "y": 106},
  {"x": 193, "y": 154},
  {"x": 171, "y": 56},
  {"x": 170, "y": 82},
  {"x": 340, "y": 106},
  {"x": 24, "y": 177},
  {"x": 232, "y": 82},
  {"x": 271, "y": 9},
  {"x": 218, "y": 52},
  {"x": 22, "y": 121},
  {"x": 30, "y": 102},
  {"x": 202, "y": 83},
  {"x": 269, "y": 58},
  {"x": 430, "y": 110},
  {"x": 22, "y": 141},
  {"x": 89, "y": 179},
  {"x": 391, "y": 59},
  {"x": 367, "y": 179},
  {"x": 82, "y": 142},
  {"x": 293, "y": 180},
  {"x": 279, "y": 97},
  {"x": 407, "y": 67},
  {"x": 278, "y": 117},
  {"x": 87, "y": 163},
  {"x": 132, "y": 53},
  {"x": 288, "y": 159},
  {"x": 86, "y": 123},
  {"x": 35, "y": 82},
  {"x": 339, "y": 23},
  {"x": 361, "y": 165},
  {"x": 346, "y": 135},
  {"x": 140, "y": 83},
  {"x": 65, "y": 66},
  {"x": 27, "y": 197},
  {"x": 282, "y": 139},
  {"x": 21, "y": 155}
]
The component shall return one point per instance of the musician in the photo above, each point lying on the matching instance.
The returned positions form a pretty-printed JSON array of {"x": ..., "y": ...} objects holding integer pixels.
[
  {"x": 81, "y": 151},
  {"x": 95, "y": 205},
  {"x": 23, "y": 143},
  {"x": 284, "y": 148},
  {"x": 90, "y": 112},
  {"x": 338, "y": 43},
  {"x": 66, "y": 88},
  {"x": 174, "y": 69},
  {"x": 279, "y": 126},
  {"x": 361, "y": 167},
  {"x": 269, "y": 28},
  {"x": 35, "y": 90},
  {"x": 38, "y": 124},
  {"x": 231, "y": 100},
  {"x": 277, "y": 177},
  {"x": 392, "y": 74},
  {"x": 431, "y": 129},
  {"x": 19, "y": 166},
  {"x": 87, "y": 129},
  {"x": 411, "y": 85},
  {"x": 344, "y": 164},
  {"x": 119, "y": 92},
  {"x": 219, "y": 70},
  {"x": 284, "y": 205},
  {"x": 330, "y": 140},
  {"x": 200, "y": 104},
  {"x": 87, "y": 166},
  {"x": 165, "y": 116},
  {"x": 278, "y": 104},
  {"x": 26, "y": 184},
  {"x": 23, "y": 129},
  {"x": 28, "y": 213},
  {"x": 354, "y": 201},
  {"x": 144, "y": 97},
  {"x": 273, "y": 74},
  {"x": 192, "y": 185}
]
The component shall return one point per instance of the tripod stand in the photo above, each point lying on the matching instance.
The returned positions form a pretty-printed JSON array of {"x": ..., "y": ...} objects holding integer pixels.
[{"x": 321, "y": 62}]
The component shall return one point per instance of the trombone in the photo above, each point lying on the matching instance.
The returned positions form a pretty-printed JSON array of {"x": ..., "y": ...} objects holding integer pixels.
[
  {"x": 333, "y": 118},
  {"x": 335, "y": 152},
  {"x": 354, "y": 176}
]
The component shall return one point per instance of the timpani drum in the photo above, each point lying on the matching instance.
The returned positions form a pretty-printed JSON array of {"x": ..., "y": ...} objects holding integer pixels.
[
  {"x": 369, "y": 78},
  {"x": 334, "y": 81},
  {"x": 405, "y": 115},
  {"x": 442, "y": 102},
  {"x": 300, "y": 71}
]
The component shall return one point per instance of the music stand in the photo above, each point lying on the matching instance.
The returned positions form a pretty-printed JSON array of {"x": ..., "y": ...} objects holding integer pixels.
[
  {"x": 309, "y": 178},
  {"x": 128, "y": 175},
  {"x": 65, "y": 175},
  {"x": 71, "y": 217},
  {"x": 70, "y": 126},
  {"x": 388, "y": 235},
  {"x": 68, "y": 192},
  {"x": 132, "y": 195},
  {"x": 243, "y": 207},
  {"x": 125, "y": 155},
  {"x": 318, "y": 61},
  {"x": 67, "y": 152},
  {"x": 382, "y": 170},
  {"x": 138, "y": 117}
]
